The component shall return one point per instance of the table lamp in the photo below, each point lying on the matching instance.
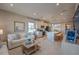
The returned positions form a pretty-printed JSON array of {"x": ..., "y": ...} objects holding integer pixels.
[{"x": 1, "y": 33}]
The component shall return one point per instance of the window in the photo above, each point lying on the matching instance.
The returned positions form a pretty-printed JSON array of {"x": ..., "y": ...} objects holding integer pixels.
[
  {"x": 57, "y": 27},
  {"x": 31, "y": 27}
]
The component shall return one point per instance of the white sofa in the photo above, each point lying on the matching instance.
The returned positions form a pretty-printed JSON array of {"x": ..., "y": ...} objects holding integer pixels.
[{"x": 15, "y": 40}]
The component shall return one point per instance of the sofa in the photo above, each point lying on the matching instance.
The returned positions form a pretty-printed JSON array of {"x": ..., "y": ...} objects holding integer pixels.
[{"x": 15, "y": 40}]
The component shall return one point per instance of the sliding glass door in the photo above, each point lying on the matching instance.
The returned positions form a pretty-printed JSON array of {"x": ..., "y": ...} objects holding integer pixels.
[
  {"x": 31, "y": 27},
  {"x": 56, "y": 27}
]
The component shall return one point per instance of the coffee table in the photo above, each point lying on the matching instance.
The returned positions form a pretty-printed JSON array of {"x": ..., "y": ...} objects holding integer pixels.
[{"x": 30, "y": 48}]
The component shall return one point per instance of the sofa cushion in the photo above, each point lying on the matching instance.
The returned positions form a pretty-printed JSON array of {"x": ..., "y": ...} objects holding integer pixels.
[
  {"x": 13, "y": 36},
  {"x": 16, "y": 41},
  {"x": 18, "y": 36}
]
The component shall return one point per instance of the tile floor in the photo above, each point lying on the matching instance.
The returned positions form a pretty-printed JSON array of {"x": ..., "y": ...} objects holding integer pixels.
[{"x": 51, "y": 48}]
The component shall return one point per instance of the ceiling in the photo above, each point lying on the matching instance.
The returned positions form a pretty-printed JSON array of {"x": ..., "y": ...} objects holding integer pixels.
[{"x": 45, "y": 11}]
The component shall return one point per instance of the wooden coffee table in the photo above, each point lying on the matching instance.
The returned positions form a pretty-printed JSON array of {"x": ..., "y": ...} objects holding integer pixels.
[{"x": 30, "y": 48}]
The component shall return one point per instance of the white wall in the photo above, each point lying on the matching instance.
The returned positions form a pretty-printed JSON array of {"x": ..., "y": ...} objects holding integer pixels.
[{"x": 7, "y": 22}]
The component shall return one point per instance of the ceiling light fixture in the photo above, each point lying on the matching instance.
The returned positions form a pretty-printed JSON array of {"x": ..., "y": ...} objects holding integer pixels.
[
  {"x": 57, "y": 4},
  {"x": 11, "y": 5},
  {"x": 34, "y": 14},
  {"x": 61, "y": 13}
]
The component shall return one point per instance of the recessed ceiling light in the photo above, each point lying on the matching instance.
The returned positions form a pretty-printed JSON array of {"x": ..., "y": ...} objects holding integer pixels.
[
  {"x": 34, "y": 13},
  {"x": 57, "y": 4},
  {"x": 61, "y": 13},
  {"x": 11, "y": 5}
]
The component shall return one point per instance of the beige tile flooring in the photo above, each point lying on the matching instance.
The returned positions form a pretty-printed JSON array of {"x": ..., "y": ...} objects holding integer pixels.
[{"x": 51, "y": 48}]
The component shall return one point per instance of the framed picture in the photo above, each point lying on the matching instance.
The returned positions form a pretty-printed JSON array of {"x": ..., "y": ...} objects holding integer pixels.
[{"x": 19, "y": 26}]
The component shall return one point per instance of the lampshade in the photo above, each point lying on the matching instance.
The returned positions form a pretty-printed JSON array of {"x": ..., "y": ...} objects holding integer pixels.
[{"x": 1, "y": 31}]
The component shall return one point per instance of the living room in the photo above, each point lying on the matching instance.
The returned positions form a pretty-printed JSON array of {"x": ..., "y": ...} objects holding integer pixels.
[{"x": 38, "y": 29}]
